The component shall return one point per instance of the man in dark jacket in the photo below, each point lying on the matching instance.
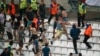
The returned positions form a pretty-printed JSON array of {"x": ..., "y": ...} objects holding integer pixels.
[{"x": 74, "y": 33}]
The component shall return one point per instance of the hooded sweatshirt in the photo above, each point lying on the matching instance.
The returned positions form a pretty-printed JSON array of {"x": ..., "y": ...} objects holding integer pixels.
[{"x": 74, "y": 32}]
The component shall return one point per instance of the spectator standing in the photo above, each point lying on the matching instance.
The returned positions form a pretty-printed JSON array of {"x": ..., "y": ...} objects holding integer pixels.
[
  {"x": 81, "y": 14},
  {"x": 23, "y": 6}
]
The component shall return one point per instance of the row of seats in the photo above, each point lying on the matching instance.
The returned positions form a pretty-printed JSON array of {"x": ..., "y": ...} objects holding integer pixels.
[{"x": 95, "y": 32}]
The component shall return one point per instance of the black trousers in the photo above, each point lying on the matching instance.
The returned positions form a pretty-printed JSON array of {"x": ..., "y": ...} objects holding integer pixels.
[
  {"x": 22, "y": 11},
  {"x": 85, "y": 41},
  {"x": 13, "y": 18},
  {"x": 25, "y": 23},
  {"x": 75, "y": 45},
  {"x": 10, "y": 36},
  {"x": 81, "y": 19},
  {"x": 51, "y": 16}
]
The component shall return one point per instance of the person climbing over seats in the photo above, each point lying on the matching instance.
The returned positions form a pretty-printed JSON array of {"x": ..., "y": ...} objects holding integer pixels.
[
  {"x": 58, "y": 25},
  {"x": 65, "y": 20}
]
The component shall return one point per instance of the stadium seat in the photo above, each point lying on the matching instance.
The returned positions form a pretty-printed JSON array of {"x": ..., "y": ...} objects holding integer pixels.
[
  {"x": 70, "y": 44},
  {"x": 57, "y": 43},
  {"x": 57, "y": 50},
  {"x": 64, "y": 51},
  {"x": 96, "y": 53},
  {"x": 89, "y": 53},
  {"x": 84, "y": 52},
  {"x": 64, "y": 44},
  {"x": 70, "y": 51}
]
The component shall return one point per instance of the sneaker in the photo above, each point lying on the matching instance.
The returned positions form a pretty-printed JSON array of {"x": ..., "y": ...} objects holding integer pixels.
[{"x": 26, "y": 47}]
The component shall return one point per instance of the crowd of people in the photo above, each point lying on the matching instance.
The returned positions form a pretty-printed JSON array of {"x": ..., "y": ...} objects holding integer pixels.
[{"x": 30, "y": 16}]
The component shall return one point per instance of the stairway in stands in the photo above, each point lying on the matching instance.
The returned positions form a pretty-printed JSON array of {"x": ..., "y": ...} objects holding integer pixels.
[{"x": 63, "y": 47}]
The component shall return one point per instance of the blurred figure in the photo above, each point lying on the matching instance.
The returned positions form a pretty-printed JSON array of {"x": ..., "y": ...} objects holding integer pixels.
[
  {"x": 53, "y": 10},
  {"x": 34, "y": 5},
  {"x": 34, "y": 35},
  {"x": 65, "y": 20},
  {"x": 29, "y": 16},
  {"x": 8, "y": 50},
  {"x": 42, "y": 11},
  {"x": 23, "y": 6},
  {"x": 58, "y": 25},
  {"x": 87, "y": 34},
  {"x": 35, "y": 22},
  {"x": 4, "y": 7},
  {"x": 81, "y": 14},
  {"x": 21, "y": 39},
  {"x": 71, "y": 54},
  {"x": 46, "y": 51},
  {"x": 9, "y": 29},
  {"x": 73, "y": 4},
  {"x": 16, "y": 24},
  {"x": 12, "y": 10},
  {"x": 5, "y": 52},
  {"x": 83, "y": 1},
  {"x": 74, "y": 33},
  {"x": 2, "y": 19}
]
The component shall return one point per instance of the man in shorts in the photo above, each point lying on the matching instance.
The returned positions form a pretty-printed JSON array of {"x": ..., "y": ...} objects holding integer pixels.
[
  {"x": 58, "y": 26},
  {"x": 65, "y": 20}
]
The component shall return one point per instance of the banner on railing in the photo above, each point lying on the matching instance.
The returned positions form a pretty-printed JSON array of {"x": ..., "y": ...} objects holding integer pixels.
[{"x": 93, "y": 2}]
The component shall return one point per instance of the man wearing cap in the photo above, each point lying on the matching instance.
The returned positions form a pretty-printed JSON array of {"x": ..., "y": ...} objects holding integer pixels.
[{"x": 87, "y": 35}]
